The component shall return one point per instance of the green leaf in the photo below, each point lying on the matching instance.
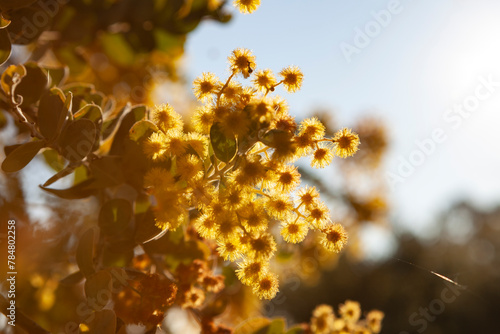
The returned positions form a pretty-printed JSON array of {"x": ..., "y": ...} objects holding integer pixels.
[
  {"x": 250, "y": 326},
  {"x": 224, "y": 147},
  {"x": 118, "y": 254},
  {"x": 117, "y": 48},
  {"x": 65, "y": 172},
  {"x": 98, "y": 289},
  {"x": 146, "y": 229},
  {"x": 77, "y": 139},
  {"x": 33, "y": 85},
  {"x": 21, "y": 156},
  {"x": 296, "y": 330},
  {"x": 81, "y": 174},
  {"x": 142, "y": 129},
  {"x": 54, "y": 160},
  {"x": 112, "y": 121},
  {"x": 72, "y": 279},
  {"x": 81, "y": 190},
  {"x": 85, "y": 253},
  {"x": 52, "y": 113},
  {"x": 9, "y": 148},
  {"x": 121, "y": 137},
  {"x": 58, "y": 75},
  {"x": 277, "y": 326},
  {"x": 5, "y": 46},
  {"x": 93, "y": 113},
  {"x": 103, "y": 322},
  {"x": 90, "y": 112},
  {"x": 115, "y": 215},
  {"x": 107, "y": 170}
]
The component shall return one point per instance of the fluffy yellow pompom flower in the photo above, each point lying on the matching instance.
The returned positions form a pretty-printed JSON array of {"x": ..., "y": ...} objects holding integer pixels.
[
  {"x": 247, "y": 6},
  {"x": 334, "y": 237},
  {"x": 229, "y": 249},
  {"x": 279, "y": 205},
  {"x": 264, "y": 80},
  {"x": 287, "y": 178},
  {"x": 250, "y": 272},
  {"x": 308, "y": 196},
  {"x": 203, "y": 119},
  {"x": 262, "y": 247},
  {"x": 322, "y": 156},
  {"x": 266, "y": 287},
  {"x": 189, "y": 167},
  {"x": 255, "y": 218},
  {"x": 154, "y": 147},
  {"x": 295, "y": 231},
  {"x": 312, "y": 128},
  {"x": 175, "y": 143},
  {"x": 242, "y": 61},
  {"x": 158, "y": 178},
  {"x": 346, "y": 143},
  {"x": 206, "y": 85},
  {"x": 207, "y": 227},
  {"x": 292, "y": 78},
  {"x": 318, "y": 215},
  {"x": 166, "y": 118}
]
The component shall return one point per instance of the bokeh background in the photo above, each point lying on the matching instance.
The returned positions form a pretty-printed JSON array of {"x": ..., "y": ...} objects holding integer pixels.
[{"x": 412, "y": 73}]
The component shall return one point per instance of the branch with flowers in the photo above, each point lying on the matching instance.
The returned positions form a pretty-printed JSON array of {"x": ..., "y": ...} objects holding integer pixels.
[{"x": 185, "y": 212}]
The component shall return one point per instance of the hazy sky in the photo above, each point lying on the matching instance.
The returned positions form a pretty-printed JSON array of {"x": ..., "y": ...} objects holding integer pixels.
[{"x": 424, "y": 67}]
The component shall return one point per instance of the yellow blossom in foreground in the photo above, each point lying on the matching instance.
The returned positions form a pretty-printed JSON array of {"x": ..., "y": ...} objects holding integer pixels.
[
  {"x": 312, "y": 128},
  {"x": 166, "y": 118},
  {"x": 334, "y": 237},
  {"x": 246, "y": 6},
  {"x": 264, "y": 80},
  {"x": 241, "y": 60},
  {"x": 205, "y": 85},
  {"x": 295, "y": 231},
  {"x": 292, "y": 78},
  {"x": 346, "y": 143},
  {"x": 229, "y": 249},
  {"x": 158, "y": 178},
  {"x": 202, "y": 119},
  {"x": 318, "y": 215},
  {"x": 262, "y": 247},
  {"x": 308, "y": 196},
  {"x": 322, "y": 156},
  {"x": 250, "y": 272},
  {"x": 266, "y": 287},
  {"x": 232, "y": 179}
]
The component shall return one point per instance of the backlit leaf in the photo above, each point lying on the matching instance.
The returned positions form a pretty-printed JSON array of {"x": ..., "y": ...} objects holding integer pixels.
[
  {"x": 52, "y": 113},
  {"x": 98, "y": 289},
  {"x": 103, "y": 322},
  {"x": 115, "y": 215},
  {"x": 85, "y": 253},
  {"x": 5, "y": 46},
  {"x": 77, "y": 139},
  {"x": 224, "y": 147},
  {"x": 21, "y": 156}
]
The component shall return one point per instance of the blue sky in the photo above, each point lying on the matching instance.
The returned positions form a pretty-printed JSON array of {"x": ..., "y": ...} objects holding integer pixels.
[{"x": 428, "y": 58}]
